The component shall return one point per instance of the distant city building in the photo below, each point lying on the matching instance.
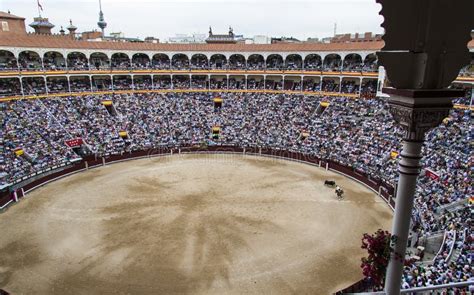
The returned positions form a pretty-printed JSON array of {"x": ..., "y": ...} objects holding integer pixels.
[
  {"x": 284, "y": 40},
  {"x": 326, "y": 40},
  {"x": 91, "y": 35},
  {"x": 152, "y": 40},
  {"x": 120, "y": 37},
  {"x": 313, "y": 40},
  {"x": 261, "y": 39},
  {"x": 365, "y": 37},
  {"x": 187, "y": 39},
  {"x": 239, "y": 38},
  {"x": 221, "y": 39},
  {"x": 114, "y": 37},
  {"x": 117, "y": 35}
]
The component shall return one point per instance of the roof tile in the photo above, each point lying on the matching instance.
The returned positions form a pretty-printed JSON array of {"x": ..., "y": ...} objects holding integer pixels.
[{"x": 59, "y": 42}]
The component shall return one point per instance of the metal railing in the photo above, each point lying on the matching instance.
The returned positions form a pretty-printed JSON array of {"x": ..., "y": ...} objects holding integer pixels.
[{"x": 426, "y": 290}]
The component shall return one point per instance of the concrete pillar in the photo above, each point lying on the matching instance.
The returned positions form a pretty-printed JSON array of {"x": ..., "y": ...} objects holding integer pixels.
[
  {"x": 21, "y": 87},
  {"x": 472, "y": 98},
  {"x": 421, "y": 71},
  {"x": 46, "y": 85},
  {"x": 416, "y": 111},
  {"x": 409, "y": 170}
]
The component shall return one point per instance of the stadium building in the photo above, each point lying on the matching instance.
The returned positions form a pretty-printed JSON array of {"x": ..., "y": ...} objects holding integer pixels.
[{"x": 71, "y": 105}]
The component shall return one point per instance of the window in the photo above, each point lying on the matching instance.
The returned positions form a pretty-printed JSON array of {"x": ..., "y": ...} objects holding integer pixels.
[{"x": 5, "y": 27}]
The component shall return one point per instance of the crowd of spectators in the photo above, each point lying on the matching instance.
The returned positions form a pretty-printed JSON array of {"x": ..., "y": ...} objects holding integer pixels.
[
  {"x": 467, "y": 99},
  {"x": 330, "y": 85},
  {"x": 7, "y": 63},
  {"x": 76, "y": 61},
  {"x": 10, "y": 87},
  {"x": 57, "y": 85},
  {"x": 80, "y": 85},
  {"x": 34, "y": 86},
  {"x": 357, "y": 133}
]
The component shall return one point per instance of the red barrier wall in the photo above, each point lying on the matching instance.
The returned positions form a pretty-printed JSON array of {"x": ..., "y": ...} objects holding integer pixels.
[{"x": 93, "y": 161}]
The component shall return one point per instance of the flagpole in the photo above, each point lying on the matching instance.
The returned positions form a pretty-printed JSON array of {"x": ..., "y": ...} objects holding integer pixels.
[{"x": 39, "y": 10}]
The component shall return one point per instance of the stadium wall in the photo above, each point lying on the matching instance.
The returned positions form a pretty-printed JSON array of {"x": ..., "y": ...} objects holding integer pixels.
[{"x": 15, "y": 193}]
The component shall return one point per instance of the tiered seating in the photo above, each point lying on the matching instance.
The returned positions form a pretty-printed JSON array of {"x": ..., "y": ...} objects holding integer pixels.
[{"x": 358, "y": 133}]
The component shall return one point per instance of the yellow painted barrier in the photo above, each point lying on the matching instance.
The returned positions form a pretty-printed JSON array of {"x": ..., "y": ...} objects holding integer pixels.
[
  {"x": 187, "y": 72},
  {"x": 309, "y": 93},
  {"x": 74, "y": 94}
]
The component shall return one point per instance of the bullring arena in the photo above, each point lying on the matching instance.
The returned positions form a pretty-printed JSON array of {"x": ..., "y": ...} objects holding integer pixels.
[
  {"x": 200, "y": 224},
  {"x": 210, "y": 165}
]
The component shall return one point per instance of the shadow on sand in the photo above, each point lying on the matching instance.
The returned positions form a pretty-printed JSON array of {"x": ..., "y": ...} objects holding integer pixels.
[{"x": 181, "y": 244}]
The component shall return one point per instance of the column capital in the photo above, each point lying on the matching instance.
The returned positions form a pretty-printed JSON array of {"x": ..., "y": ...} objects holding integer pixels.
[{"x": 418, "y": 111}]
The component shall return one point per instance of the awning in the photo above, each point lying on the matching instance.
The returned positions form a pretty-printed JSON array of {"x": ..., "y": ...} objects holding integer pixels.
[{"x": 19, "y": 152}]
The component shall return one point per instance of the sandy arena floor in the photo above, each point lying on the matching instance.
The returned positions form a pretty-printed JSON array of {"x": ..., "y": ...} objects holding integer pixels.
[{"x": 190, "y": 224}]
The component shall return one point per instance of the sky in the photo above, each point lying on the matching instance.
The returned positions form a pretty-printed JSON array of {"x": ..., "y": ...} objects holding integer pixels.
[{"x": 165, "y": 18}]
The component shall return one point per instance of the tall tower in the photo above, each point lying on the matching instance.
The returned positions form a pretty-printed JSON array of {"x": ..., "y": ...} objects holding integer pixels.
[
  {"x": 101, "y": 23},
  {"x": 42, "y": 25},
  {"x": 72, "y": 30}
]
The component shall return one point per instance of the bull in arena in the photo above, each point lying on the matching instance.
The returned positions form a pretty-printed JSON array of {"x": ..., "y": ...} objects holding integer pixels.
[{"x": 330, "y": 183}]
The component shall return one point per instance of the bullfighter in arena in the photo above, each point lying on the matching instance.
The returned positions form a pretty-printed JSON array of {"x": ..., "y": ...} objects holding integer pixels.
[{"x": 339, "y": 193}]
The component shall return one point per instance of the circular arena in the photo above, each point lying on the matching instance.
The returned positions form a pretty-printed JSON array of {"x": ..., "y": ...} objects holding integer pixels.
[
  {"x": 201, "y": 224},
  {"x": 224, "y": 164}
]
